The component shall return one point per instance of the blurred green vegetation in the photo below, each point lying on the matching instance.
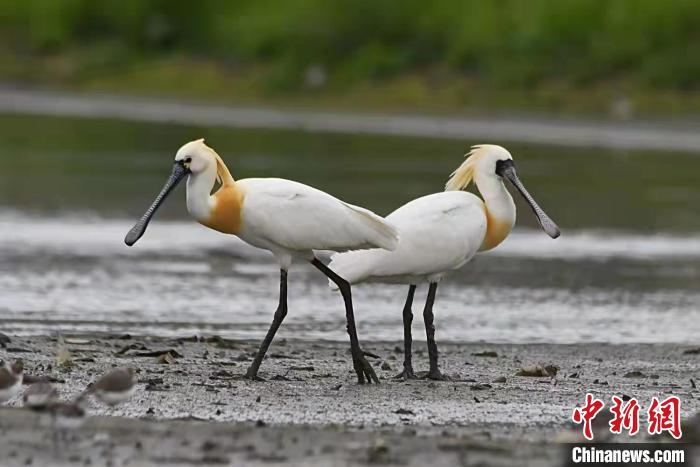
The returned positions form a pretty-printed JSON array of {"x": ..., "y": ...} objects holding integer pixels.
[{"x": 542, "y": 48}]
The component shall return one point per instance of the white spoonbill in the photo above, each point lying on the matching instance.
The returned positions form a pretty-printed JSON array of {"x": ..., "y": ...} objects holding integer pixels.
[
  {"x": 440, "y": 233},
  {"x": 287, "y": 218}
]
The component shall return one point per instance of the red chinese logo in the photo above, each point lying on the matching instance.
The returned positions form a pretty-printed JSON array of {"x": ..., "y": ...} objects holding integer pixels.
[
  {"x": 587, "y": 413},
  {"x": 625, "y": 415},
  {"x": 662, "y": 416},
  {"x": 665, "y": 416}
]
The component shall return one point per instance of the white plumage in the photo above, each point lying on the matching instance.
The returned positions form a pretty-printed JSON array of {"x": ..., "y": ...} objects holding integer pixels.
[
  {"x": 11, "y": 377},
  {"x": 289, "y": 219},
  {"x": 11, "y": 391},
  {"x": 115, "y": 397},
  {"x": 292, "y": 219},
  {"x": 440, "y": 233}
]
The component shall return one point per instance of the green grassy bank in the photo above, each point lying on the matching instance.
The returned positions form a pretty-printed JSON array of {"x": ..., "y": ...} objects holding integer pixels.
[{"x": 619, "y": 58}]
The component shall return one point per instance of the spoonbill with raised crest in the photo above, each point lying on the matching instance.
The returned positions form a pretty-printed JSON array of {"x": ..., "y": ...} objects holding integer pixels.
[
  {"x": 289, "y": 219},
  {"x": 440, "y": 233}
]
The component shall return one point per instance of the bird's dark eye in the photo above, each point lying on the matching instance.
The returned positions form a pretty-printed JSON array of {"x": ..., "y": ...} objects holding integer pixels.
[{"x": 188, "y": 160}]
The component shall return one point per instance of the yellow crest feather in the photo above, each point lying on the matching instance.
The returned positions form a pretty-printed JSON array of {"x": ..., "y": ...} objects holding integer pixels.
[
  {"x": 464, "y": 175},
  {"x": 223, "y": 175}
]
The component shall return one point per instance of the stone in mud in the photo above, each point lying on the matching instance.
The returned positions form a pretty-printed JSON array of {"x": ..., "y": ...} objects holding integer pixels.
[
  {"x": 4, "y": 340},
  {"x": 486, "y": 353},
  {"x": 538, "y": 371},
  {"x": 480, "y": 386},
  {"x": 166, "y": 359}
]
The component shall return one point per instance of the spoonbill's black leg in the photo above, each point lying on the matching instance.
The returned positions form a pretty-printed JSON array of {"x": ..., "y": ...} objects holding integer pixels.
[
  {"x": 407, "y": 372},
  {"x": 428, "y": 317},
  {"x": 280, "y": 313},
  {"x": 365, "y": 372}
]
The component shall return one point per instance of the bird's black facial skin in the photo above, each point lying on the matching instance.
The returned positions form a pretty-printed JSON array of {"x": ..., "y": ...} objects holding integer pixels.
[
  {"x": 506, "y": 169},
  {"x": 501, "y": 166}
]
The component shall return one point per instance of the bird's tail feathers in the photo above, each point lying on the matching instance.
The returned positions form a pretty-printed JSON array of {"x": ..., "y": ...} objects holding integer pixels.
[
  {"x": 380, "y": 232},
  {"x": 353, "y": 266}
]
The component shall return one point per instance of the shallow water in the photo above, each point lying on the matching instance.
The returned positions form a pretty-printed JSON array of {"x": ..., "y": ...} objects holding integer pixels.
[
  {"x": 627, "y": 268},
  {"x": 72, "y": 274}
]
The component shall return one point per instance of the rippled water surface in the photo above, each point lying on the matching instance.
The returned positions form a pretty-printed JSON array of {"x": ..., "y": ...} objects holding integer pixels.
[{"x": 627, "y": 268}]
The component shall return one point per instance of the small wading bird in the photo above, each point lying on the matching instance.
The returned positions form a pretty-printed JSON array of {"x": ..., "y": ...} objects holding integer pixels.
[
  {"x": 440, "y": 233},
  {"x": 11, "y": 375},
  {"x": 40, "y": 395},
  {"x": 66, "y": 415},
  {"x": 289, "y": 219},
  {"x": 114, "y": 387}
]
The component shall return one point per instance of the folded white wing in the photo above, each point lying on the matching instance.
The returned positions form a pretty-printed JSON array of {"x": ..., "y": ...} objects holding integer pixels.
[
  {"x": 439, "y": 233},
  {"x": 298, "y": 217}
]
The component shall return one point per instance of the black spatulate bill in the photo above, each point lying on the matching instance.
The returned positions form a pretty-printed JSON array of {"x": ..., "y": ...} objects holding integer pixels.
[
  {"x": 506, "y": 169},
  {"x": 179, "y": 172}
]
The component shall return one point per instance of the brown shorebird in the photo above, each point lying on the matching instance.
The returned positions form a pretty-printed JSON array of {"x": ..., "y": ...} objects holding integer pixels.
[
  {"x": 113, "y": 388},
  {"x": 68, "y": 415},
  {"x": 11, "y": 376},
  {"x": 40, "y": 395}
]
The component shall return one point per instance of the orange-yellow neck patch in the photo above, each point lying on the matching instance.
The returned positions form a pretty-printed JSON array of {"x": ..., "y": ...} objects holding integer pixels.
[
  {"x": 227, "y": 213},
  {"x": 496, "y": 231}
]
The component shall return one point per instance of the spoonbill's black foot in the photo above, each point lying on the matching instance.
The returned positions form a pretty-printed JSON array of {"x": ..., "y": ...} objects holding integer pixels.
[
  {"x": 365, "y": 372},
  {"x": 405, "y": 375},
  {"x": 434, "y": 375}
]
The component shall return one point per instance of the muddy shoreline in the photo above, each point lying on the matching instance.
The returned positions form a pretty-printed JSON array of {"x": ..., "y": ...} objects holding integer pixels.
[
  {"x": 193, "y": 407},
  {"x": 663, "y": 135}
]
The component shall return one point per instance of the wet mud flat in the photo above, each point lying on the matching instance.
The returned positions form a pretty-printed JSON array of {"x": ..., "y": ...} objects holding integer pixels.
[{"x": 503, "y": 404}]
